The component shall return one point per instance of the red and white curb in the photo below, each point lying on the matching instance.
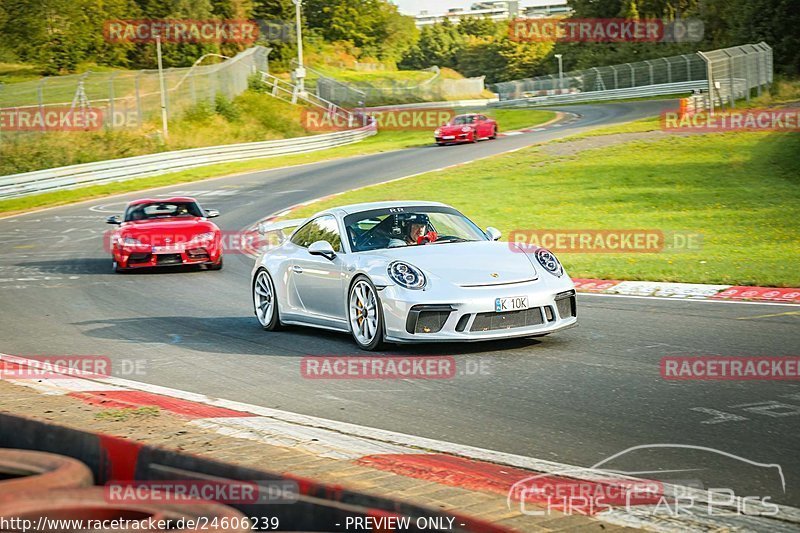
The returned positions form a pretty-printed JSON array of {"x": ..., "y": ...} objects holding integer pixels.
[
  {"x": 694, "y": 291},
  {"x": 442, "y": 462}
]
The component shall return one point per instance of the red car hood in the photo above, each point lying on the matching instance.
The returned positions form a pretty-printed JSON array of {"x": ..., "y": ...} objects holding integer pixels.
[
  {"x": 157, "y": 232},
  {"x": 451, "y": 130}
]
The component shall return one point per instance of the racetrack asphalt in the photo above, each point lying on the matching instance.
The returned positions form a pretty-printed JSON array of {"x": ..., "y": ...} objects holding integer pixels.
[{"x": 576, "y": 397}]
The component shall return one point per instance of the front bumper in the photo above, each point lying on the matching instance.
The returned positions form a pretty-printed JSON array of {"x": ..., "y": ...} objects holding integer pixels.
[
  {"x": 459, "y": 137},
  {"x": 144, "y": 258},
  {"x": 411, "y": 316}
]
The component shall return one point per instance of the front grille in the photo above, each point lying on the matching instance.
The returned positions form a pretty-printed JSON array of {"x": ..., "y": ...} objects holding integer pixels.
[
  {"x": 139, "y": 258},
  {"x": 197, "y": 253},
  {"x": 169, "y": 259},
  {"x": 431, "y": 321},
  {"x": 508, "y": 320},
  {"x": 427, "y": 318},
  {"x": 567, "y": 304}
]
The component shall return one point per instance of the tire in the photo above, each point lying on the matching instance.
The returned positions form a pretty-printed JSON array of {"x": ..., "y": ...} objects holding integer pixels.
[
  {"x": 26, "y": 470},
  {"x": 360, "y": 329},
  {"x": 118, "y": 269},
  {"x": 494, "y": 133},
  {"x": 217, "y": 265},
  {"x": 473, "y": 138},
  {"x": 270, "y": 319},
  {"x": 440, "y": 144}
]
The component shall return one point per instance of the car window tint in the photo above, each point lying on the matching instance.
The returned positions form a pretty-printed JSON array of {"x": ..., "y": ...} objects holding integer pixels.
[{"x": 320, "y": 229}]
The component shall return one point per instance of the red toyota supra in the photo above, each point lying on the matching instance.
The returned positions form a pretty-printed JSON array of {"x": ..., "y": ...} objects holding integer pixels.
[
  {"x": 169, "y": 232},
  {"x": 466, "y": 128}
]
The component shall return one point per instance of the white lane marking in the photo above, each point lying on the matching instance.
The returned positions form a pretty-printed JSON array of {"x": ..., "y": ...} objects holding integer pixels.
[
  {"x": 666, "y": 289},
  {"x": 510, "y": 133},
  {"x": 695, "y": 300},
  {"x": 105, "y": 208},
  {"x": 341, "y": 434}
]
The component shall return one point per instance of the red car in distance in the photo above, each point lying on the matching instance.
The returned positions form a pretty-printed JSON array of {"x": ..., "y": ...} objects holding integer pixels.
[
  {"x": 169, "y": 232},
  {"x": 466, "y": 128}
]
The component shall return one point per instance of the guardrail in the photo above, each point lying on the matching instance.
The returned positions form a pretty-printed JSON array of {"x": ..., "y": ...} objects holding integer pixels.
[
  {"x": 115, "y": 170},
  {"x": 644, "y": 91}
]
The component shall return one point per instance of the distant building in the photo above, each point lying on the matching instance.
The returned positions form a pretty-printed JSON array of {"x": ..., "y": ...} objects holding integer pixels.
[
  {"x": 545, "y": 8},
  {"x": 496, "y": 10}
]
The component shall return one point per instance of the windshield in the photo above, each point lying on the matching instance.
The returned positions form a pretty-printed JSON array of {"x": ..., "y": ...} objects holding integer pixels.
[
  {"x": 409, "y": 226},
  {"x": 157, "y": 210},
  {"x": 464, "y": 119}
]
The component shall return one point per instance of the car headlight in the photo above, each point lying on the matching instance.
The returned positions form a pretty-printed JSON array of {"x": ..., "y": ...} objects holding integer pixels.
[
  {"x": 203, "y": 237},
  {"x": 406, "y": 275},
  {"x": 437, "y": 132},
  {"x": 465, "y": 129},
  {"x": 549, "y": 262},
  {"x": 129, "y": 241}
]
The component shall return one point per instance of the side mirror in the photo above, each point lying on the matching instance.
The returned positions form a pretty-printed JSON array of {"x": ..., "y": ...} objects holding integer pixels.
[
  {"x": 322, "y": 248},
  {"x": 493, "y": 233},
  {"x": 114, "y": 219},
  {"x": 212, "y": 213}
]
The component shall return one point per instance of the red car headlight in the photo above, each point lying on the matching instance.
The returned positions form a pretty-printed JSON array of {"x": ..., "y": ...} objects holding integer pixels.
[
  {"x": 129, "y": 242},
  {"x": 203, "y": 237}
]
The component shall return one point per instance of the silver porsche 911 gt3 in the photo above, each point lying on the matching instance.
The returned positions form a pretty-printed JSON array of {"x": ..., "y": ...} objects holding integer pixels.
[{"x": 410, "y": 272}]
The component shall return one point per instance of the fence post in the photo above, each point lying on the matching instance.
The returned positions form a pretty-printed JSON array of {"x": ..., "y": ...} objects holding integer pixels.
[
  {"x": 710, "y": 76},
  {"x": 111, "y": 100},
  {"x": 139, "y": 112},
  {"x": 689, "y": 66},
  {"x": 40, "y": 91},
  {"x": 732, "y": 81},
  {"x": 616, "y": 77},
  {"x": 669, "y": 70},
  {"x": 650, "y": 68},
  {"x": 633, "y": 75}
]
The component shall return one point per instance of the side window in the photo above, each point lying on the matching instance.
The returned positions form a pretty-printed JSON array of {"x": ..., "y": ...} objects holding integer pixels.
[{"x": 320, "y": 229}]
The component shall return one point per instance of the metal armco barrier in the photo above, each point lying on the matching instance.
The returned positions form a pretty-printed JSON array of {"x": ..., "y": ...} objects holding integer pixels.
[
  {"x": 316, "y": 507},
  {"x": 613, "y": 94},
  {"x": 16, "y": 185}
]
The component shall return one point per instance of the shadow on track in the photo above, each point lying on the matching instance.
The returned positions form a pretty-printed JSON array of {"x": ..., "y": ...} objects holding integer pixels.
[{"x": 243, "y": 335}]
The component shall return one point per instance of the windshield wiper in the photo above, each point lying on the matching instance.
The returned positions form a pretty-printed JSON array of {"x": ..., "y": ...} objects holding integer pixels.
[{"x": 452, "y": 239}]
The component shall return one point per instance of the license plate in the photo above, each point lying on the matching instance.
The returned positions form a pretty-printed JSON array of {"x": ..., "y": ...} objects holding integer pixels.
[
  {"x": 448, "y": 137},
  {"x": 167, "y": 249},
  {"x": 515, "y": 303}
]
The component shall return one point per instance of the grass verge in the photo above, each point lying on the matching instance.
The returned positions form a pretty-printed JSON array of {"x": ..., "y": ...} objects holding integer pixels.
[
  {"x": 382, "y": 142},
  {"x": 739, "y": 190}
]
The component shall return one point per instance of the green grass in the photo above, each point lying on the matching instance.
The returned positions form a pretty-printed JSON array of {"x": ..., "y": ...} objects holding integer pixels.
[
  {"x": 741, "y": 191},
  {"x": 250, "y": 117},
  {"x": 383, "y": 142},
  {"x": 18, "y": 72}
]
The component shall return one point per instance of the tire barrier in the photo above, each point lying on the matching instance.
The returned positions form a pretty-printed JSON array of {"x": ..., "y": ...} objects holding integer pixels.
[
  {"x": 71, "y": 511},
  {"x": 24, "y": 471},
  {"x": 284, "y": 503}
]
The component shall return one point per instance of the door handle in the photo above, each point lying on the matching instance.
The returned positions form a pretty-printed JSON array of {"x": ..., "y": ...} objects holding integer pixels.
[{"x": 297, "y": 270}]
